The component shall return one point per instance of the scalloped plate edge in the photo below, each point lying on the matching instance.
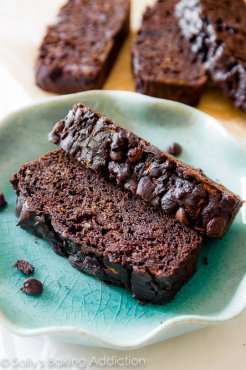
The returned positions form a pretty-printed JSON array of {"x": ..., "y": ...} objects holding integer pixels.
[{"x": 179, "y": 325}]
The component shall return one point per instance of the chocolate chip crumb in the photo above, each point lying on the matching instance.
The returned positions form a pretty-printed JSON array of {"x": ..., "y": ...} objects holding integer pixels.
[
  {"x": 25, "y": 267},
  {"x": 174, "y": 149},
  {"x": 141, "y": 303},
  {"x": 205, "y": 260},
  {"x": 32, "y": 287},
  {"x": 3, "y": 202}
]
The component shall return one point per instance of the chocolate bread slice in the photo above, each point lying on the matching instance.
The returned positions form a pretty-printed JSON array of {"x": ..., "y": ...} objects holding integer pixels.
[
  {"x": 155, "y": 176},
  {"x": 78, "y": 52},
  {"x": 162, "y": 61},
  {"x": 217, "y": 32},
  {"x": 104, "y": 230}
]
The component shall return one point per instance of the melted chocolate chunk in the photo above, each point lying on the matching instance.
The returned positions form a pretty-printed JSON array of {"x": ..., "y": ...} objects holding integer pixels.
[{"x": 215, "y": 226}]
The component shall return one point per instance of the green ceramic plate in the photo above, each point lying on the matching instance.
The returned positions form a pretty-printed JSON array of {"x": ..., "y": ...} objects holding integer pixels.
[{"x": 77, "y": 308}]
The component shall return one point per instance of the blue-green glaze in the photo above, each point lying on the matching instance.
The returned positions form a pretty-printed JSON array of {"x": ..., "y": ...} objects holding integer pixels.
[{"x": 76, "y": 307}]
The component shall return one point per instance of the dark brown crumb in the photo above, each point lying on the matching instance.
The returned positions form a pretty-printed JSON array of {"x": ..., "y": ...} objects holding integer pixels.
[
  {"x": 25, "y": 267},
  {"x": 141, "y": 303},
  {"x": 174, "y": 149},
  {"x": 32, "y": 287},
  {"x": 3, "y": 202},
  {"x": 205, "y": 260}
]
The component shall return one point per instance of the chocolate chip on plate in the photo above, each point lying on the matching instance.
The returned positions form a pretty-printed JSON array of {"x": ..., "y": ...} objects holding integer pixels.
[
  {"x": 25, "y": 267},
  {"x": 174, "y": 149},
  {"x": 32, "y": 287},
  {"x": 3, "y": 202}
]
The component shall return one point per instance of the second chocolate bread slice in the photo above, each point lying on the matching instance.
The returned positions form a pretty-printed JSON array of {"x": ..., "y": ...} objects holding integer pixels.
[
  {"x": 163, "y": 63},
  {"x": 78, "y": 52},
  {"x": 141, "y": 168}
]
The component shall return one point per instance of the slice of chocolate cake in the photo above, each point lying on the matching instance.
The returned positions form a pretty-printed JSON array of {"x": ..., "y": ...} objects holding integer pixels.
[
  {"x": 217, "y": 32},
  {"x": 78, "y": 52},
  {"x": 162, "y": 61},
  {"x": 104, "y": 230},
  {"x": 141, "y": 168}
]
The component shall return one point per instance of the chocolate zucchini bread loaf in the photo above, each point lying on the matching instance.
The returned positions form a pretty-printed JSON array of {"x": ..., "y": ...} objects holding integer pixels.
[
  {"x": 104, "y": 230},
  {"x": 162, "y": 61},
  {"x": 155, "y": 176},
  {"x": 217, "y": 32},
  {"x": 78, "y": 52}
]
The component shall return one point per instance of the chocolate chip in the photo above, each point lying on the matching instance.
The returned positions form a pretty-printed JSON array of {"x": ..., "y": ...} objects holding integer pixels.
[
  {"x": 3, "y": 202},
  {"x": 32, "y": 287},
  {"x": 135, "y": 154},
  {"x": 68, "y": 121},
  {"x": 174, "y": 149},
  {"x": 116, "y": 155},
  {"x": 146, "y": 189},
  {"x": 118, "y": 140},
  {"x": 54, "y": 135},
  {"x": 182, "y": 216},
  {"x": 120, "y": 171},
  {"x": 216, "y": 226},
  {"x": 25, "y": 267},
  {"x": 168, "y": 203}
]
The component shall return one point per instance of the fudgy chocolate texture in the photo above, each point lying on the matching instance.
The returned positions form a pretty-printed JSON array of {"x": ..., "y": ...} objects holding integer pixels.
[
  {"x": 78, "y": 52},
  {"x": 162, "y": 61},
  {"x": 217, "y": 32},
  {"x": 155, "y": 176},
  {"x": 104, "y": 230}
]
